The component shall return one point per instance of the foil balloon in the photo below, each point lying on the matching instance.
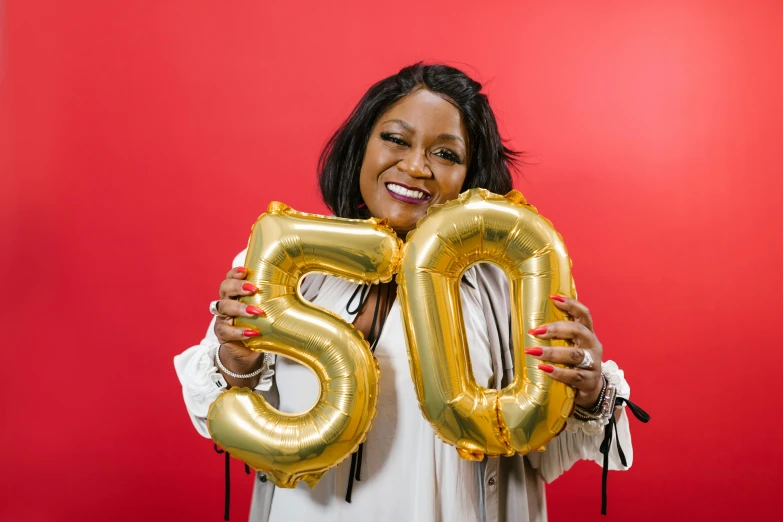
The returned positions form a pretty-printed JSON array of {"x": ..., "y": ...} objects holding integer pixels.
[
  {"x": 284, "y": 246},
  {"x": 483, "y": 227}
]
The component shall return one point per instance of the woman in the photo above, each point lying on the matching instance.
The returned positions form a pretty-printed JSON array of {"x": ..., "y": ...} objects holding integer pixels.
[{"x": 417, "y": 138}]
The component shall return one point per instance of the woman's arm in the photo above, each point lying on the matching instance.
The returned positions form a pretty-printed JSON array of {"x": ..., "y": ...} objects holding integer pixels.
[
  {"x": 201, "y": 379},
  {"x": 582, "y": 440}
]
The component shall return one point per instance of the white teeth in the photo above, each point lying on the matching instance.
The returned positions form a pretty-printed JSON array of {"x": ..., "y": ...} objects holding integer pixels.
[{"x": 402, "y": 191}]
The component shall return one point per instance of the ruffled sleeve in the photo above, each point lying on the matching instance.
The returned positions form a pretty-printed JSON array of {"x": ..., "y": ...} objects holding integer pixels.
[
  {"x": 194, "y": 367},
  {"x": 582, "y": 440}
]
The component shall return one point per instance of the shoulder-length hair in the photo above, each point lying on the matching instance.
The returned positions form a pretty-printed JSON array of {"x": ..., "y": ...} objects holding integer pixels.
[{"x": 341, "y": 159}]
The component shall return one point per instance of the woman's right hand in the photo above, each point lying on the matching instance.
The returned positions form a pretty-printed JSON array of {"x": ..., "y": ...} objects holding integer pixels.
[{"x": 233, "y": 353}]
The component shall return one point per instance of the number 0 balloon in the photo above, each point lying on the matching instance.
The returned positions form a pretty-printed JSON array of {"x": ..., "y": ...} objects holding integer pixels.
[
  {"x": 284, "y": 246},
  {"x": 481, "y": 226}
]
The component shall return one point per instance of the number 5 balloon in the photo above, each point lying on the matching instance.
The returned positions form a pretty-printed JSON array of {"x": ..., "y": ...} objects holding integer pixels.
[
  {"x": 481, "y": 226},
  {"x": 284, "y": 246}
]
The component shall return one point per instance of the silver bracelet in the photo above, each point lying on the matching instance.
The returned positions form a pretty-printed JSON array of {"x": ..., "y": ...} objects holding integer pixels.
[
  {"x": 604, "y": 409},
  {"x": 240, "y": 375}
]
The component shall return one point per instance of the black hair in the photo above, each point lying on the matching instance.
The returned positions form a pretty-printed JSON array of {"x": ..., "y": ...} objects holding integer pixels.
[{"x": 341, "y": 159}]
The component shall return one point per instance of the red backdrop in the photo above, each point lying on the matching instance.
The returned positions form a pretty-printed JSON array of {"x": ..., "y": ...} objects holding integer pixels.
[{"x": 140, "y": 140}]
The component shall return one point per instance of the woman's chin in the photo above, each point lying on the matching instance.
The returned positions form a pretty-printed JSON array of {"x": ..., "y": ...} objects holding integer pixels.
[
  {"x": 403, "y": 220},
  {"x": 402, "y": 231},
  {"x": 402, "y": 227}
]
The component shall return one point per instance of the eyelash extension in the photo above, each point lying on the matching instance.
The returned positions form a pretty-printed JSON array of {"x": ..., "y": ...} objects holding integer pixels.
[
  {"x": 387, "y": 136},
  {"x": 450, "y": 156},
  {"x": 447, "y": 154}
]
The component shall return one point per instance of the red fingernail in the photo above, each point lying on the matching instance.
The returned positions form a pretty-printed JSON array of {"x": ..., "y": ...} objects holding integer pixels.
[
  {"x": 558, "y": 298},
  {"x": 534, "y": 351},
  {"x": 255, "y": 311},
  {"x": 247, "y": 287},
  {"x": 250, "y": 333},
  {"x": 241, "y": 270},
  {"x": 537, "y": 331},
  {"x": 546, "y": 368}
]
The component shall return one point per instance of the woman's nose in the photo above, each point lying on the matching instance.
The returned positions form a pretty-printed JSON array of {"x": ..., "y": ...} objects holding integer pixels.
[{"x": 415, "y": 165}]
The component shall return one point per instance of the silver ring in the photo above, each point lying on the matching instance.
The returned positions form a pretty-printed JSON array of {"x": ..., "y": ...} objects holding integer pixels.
[
  {"x": 213, "y": 308},
  {"x": 587, "y": 361}
]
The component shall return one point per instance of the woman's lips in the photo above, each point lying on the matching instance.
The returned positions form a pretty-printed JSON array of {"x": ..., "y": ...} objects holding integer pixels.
[{"x": 405, "y": 198}]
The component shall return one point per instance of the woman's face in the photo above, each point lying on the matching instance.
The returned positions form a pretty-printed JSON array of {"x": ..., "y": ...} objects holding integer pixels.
[{"x": 416, "y": 156}]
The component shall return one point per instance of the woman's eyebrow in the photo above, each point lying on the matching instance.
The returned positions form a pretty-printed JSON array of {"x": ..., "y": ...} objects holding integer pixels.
[
  {"x": 404, "y": 124},
  {"x": 450, "y": 137},
  {"x": 407, "y": 126}
]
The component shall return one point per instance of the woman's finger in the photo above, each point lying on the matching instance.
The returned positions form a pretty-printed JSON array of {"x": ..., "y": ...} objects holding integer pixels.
[
  {"x": 225, "y": 332},
  {"x": 572, "y": 331},
  {"x": 579, "y": 378},
  {"x": 557, "y": 354},
  {"x": 238, "y": 272},
  {"x": 231, "y": 308},
  {"x": 575, "y": 309},
  {"x": 236, "y": 287}
]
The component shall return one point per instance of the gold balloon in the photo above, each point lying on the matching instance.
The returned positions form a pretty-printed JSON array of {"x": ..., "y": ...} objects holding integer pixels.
[
  {"x": 483, "y": 227},
  {"x": 284, "y": 246}
]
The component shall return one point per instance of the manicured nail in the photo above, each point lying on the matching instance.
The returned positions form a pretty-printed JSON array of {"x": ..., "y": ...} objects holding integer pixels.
[
  {"x": 250, "y": 333},
  {"x": 247, "y": 287},
  {"x": 546, "y": 368},
  {"x": 534, "y": 351},
  {"x": 537, "y": 331},
  {"x": 254, "y": 311},
  {"x": 241, "y": 270},
  {"x": 558, "y": 298}
]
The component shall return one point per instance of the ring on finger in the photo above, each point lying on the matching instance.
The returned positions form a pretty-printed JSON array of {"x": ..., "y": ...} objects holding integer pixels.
[
  {"x": 587, "y": 361},
  {"x": 213, "y": 308}
]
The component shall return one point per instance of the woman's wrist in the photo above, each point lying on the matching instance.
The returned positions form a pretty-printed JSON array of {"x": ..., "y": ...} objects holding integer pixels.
[
  {"x": 245, "y": 371},
  {"x": 604, "y": 407},
  {"x": 593, "y": 402}
]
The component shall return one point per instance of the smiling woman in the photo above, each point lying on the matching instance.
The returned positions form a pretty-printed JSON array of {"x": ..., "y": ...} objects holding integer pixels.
[
  {"x": 417, "y": 138},
  {"x": 428, "y": 129},
  {"x": 416, "y": 157}
]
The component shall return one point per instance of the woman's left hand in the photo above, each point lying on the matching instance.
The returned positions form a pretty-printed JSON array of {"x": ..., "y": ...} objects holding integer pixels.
[{"x": 579, "y": 333}]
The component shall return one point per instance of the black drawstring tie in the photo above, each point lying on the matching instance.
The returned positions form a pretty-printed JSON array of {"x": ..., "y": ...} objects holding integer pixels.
[
  {"x": 361, "y": 291},
  {"x": 606, "y": 444},
  {"x": 227, "y": 498},
  {"x": 355, "y": 472}
]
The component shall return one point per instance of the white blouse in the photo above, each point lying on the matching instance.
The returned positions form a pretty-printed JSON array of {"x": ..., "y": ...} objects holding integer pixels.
[{"x": 407, "y": 473}]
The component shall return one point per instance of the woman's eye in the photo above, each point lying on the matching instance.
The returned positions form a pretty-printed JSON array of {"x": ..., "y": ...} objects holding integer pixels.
[
  {"x": 393, "y": 138},
  {"x": 448, "y": 155}
]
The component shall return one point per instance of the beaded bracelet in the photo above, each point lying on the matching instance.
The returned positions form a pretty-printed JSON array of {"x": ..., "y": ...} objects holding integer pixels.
[
  {"x": 597, "y": 407},
  {"x": 240, "y": 375},
  {"x": 583, "y": 413},
  {"x": 603, "y": 408}
]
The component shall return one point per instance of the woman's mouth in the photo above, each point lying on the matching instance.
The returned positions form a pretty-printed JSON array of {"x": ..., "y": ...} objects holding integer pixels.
[{"x": 407, "y": 194}]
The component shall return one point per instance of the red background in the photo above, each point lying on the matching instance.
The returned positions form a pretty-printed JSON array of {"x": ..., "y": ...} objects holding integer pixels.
[{"x": 141, "y": 139}]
